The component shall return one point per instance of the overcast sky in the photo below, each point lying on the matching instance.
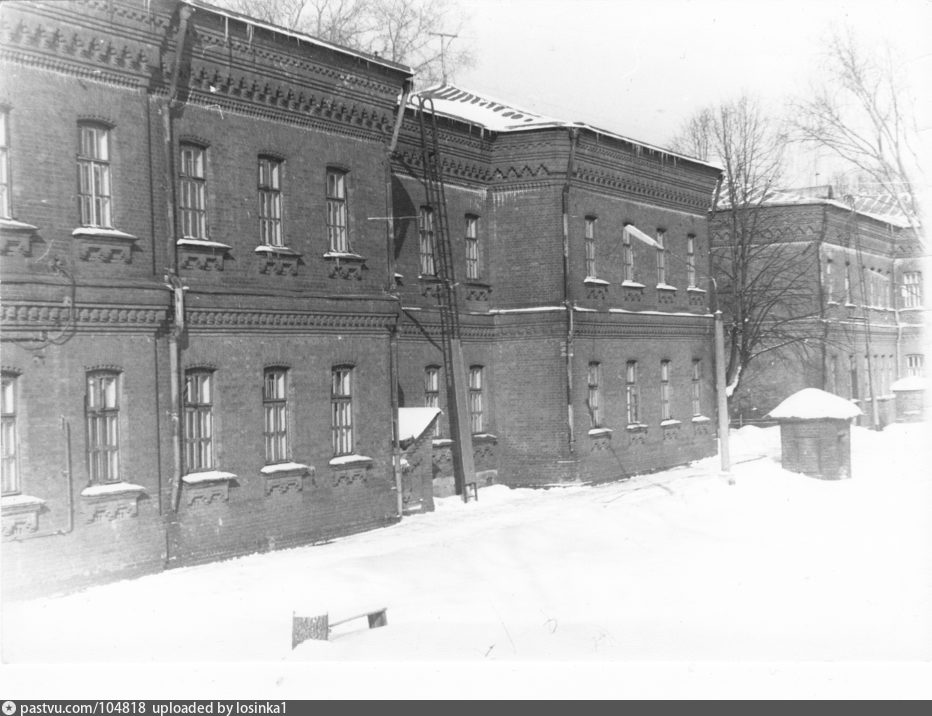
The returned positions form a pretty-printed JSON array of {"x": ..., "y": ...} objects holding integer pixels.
[{"x": 640, "y": 68}]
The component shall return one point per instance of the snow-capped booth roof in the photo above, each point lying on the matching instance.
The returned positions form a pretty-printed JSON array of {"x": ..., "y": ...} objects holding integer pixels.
[
  {"x": 911, "y": 382},
  {"x": 412, "y": 422},
  {"x": 815, "y": 404}
]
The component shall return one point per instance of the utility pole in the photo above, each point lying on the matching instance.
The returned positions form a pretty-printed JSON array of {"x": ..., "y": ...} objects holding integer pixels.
[{"x": 443, "y": 46}]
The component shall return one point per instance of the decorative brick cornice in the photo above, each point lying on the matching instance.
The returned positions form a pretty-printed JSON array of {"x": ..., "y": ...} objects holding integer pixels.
[
  {"x": 222, "y": 319},
  {"x": 45, "y": 315}
]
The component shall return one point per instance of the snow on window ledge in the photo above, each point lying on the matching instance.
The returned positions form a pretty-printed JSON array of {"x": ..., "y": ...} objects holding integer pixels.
[
  {"x": 350, "y": 461},
  {"x": 191, "y": 243},
  {"x": 669, "y": 423},
  {"x": 666, "y": 287},
  {"x": 197, "y": 478},
  {"x": 14, "y": 225},
  {"x": 112, "y": 489},
  {"x": 441, "y": 442},
  {"x": 284, "y": 467},
  {"x": 631, "y": 284},
  {"x": 279, "y": 250},
  {"x": 20, "y": 515},
  {"x": 593, "y": 281},
  {"x": 695, "y": 289},
  {"x": 635, "y": 427},
  {"x": 20, "y": 502},
  {"x": 600, "y": 432},
  {"x": 701, "y": 419},
  {"x": 344, "y": 256},
  {"x": 483, "y": 437},
  {"x": 99, "y": 232}
]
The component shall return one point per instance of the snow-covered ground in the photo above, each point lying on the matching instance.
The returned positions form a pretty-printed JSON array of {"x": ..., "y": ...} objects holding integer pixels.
[{"x": 546, "y": 589}]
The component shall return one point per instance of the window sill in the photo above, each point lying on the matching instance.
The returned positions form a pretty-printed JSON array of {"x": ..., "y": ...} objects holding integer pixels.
[
  {"x": 344, "y": 256},
  {"x": 593, "y": 281},
  {"x": 671, "y": 423},
  {"x": 284, "y": 477},
  {"x": 350, "y": 461},
  {"x": 600, "y": 432},
  {"x": 441, "y": 442},
  {"x": 701, "y": 419},
  {"x": 191, "y": 243},
  {"x": 207, "y": 487},
  {"x": 20, "y": 515},
  {"x": 104, "y": 245},
  {"x": 636, "y": 428},
  {"x": 112, "y": 489},
  {"x": 631, "y": 284},
  {"x": 695, "y": 289},
  {"x": 666, "y": 287},
  {"x": 346, "y": 264},
  {"x": 475, "y": 290},
  {"x": 13, "y": 225},
  {"x": 276, "y": 250},
  {"x": 350, "y": 469},
  {"x": 278, "y": 259},
  {"x": 112, "y": 501},
  {"x": 16, "y": 236},
  {"x": 483, "y": 438}
]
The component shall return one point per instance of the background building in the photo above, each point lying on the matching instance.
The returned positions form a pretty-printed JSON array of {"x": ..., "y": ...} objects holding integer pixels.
[{"x": 859, "y": 303}]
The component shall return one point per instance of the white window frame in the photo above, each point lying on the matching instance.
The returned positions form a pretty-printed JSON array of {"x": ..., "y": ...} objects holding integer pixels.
[
  {"x": 6, "y": 182},
  {"x": 590, "y": 248},
  {"x": 661, "y": 259},
  {"x": 199, "y": 420},
  {"x": 473, "y": 272},
  {"x": 631, "y": 392},
  {"x": 665, "y": 391},
  {"x": 341, "y": 410},
  {"x": 432, "y": 392},
  {"x": 9, "y": 439},
  {"x": 697, "y": 387},
  {"x": 425, "y": 232},
  {"x": 95, "y": 189},
  {"x": 275, "y": 414},
  {"x": 594, "y": 396},
  {"x": 476, "y": 411},
  {"x": 627, "y": 256},
  {"x": 912, "y": 289},
  {"x": 192, "y": 190},
  {"x": 270, "y": 201},
  {"x": 338, "y": 211},
  {"x": 102, "y": 412}
]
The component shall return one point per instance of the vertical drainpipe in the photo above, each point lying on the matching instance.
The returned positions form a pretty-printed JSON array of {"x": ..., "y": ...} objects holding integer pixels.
[
  {"x": 392, "y": 289},
  {"x": 822, "y": 320},
  {"x": 174, "y": 281},
  {"x": 567, "y": 303}
]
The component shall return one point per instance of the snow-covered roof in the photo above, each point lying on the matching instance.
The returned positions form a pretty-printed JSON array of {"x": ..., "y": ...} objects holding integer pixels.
[
  {"x": 870, "y": 207},
  {"x": 912, "y": 382},
  {"x": 812, "y": 404},
  {"x": 500, "y": 116},
  {"x": 309, "y": 39},
  {"x": 412, "y": 422}
]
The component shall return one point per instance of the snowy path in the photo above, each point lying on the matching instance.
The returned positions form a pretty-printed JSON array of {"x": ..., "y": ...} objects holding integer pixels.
[{"x": 676, "y": 565}]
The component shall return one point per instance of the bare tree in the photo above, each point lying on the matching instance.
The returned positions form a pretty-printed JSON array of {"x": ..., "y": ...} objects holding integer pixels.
[
  {"x": 418, "y": 33},
  {"x": 763, "y": 284},
  {"x": 861, "y": 112}
]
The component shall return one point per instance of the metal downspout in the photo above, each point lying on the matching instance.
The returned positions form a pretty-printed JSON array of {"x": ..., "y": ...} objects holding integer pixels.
[
  {"x": 567, "y": 303},
  {"x": 393, "y": 337},
  {"x": 174, "y": 281}
]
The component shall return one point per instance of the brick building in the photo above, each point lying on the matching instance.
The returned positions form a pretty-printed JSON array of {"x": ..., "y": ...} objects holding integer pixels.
[
  {"x": 204, "y": 305},
  {"x": 862, "y": 286}
]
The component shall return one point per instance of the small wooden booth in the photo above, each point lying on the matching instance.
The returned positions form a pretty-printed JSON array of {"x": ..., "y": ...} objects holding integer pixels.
[{"x": 815, "y": 433}]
